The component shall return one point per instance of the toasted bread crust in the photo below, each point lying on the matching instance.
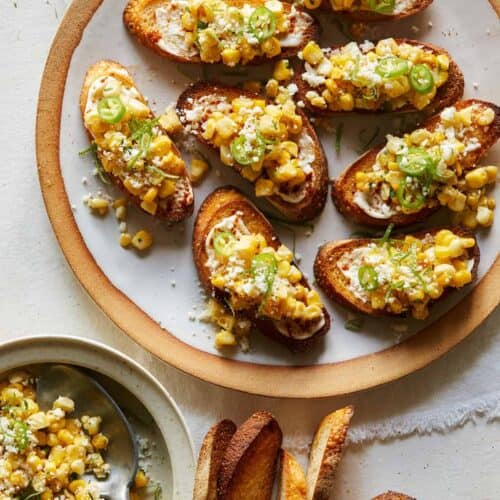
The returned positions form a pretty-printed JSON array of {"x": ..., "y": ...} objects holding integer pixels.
[
  {"x": 446, "y": 95},
  {"x": 210, "y": 458},
  {"x": 177, "y": 207},
  {"x": 369, "y": 17},
  {"x": 344, "y": 187},
  {"x": 139, "y": 18},
  {"x": 292, "y": 483},
  {"x": 393, "y": 495},
  {"x": 330, "y": 279},
  {"x": 249, "y": 463},
  {"x": 225, "y": 202},
  {"x": 314, "y": 201},
  {"x": 326, "y": 452}
]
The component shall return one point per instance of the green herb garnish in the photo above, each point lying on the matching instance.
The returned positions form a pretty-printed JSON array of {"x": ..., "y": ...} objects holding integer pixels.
[
  {"x": 338, "y": 137},
  {"x": 354, "y": 325}
]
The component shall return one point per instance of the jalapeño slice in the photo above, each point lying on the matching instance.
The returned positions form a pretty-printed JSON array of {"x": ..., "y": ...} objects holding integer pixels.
[
  {"x": 368, "y": 278},
  {"x": 111, "y": 109},
  {"x": 421, "y": 79},
  {"x": 382, "y": 6},
  {"x": 246, "y": 152},
  {"x": 392, "y": 67},
  {"x": 409, "y": 199},
  {"x": 262, "y": 23},
  {"x": 416, "y": 162},
  {"x": 224, "y": 243}
]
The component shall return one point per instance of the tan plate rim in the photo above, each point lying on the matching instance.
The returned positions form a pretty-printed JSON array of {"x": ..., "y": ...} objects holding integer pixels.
[{"x": 313, "y": 381}]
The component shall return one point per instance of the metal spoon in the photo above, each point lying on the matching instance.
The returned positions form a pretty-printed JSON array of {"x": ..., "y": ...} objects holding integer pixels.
[{"x": 92, "y": 399}]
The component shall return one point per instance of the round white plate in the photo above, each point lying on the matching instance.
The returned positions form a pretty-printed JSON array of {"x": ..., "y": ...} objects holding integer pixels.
[{"x": 156, "y": 298}]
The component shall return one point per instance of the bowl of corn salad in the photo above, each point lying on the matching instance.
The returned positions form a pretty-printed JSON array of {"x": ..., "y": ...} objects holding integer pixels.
[{"x": 60, "y": 453}]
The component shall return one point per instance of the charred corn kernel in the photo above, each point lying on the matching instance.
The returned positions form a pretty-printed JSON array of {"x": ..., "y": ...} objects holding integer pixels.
[
  {"x": 65, "y": 437},
  {"x": 272, "y": 88},
  {"x": 125, "y": 240},
  {"x": 294, "y": 275},
  {"x": 319, "y": 102},
  {"x": 160, "y": 146},
  {"x": 132, "y": 186},
  {"x": 271, "y": 47},
  {"x": 77, "y": 484},
  {"x": 477, "y": 178},
  {"x": 119, "y": 202},
  {"x": 98, "y": 203},
  {"x": 312, "y": 4},
  {"x": 231, "y": 57},
  {"x": 121, "y": 213},
  {"x": 457, "y": 201},
  {"x": 312, "y": 53},
  {"x": 283, "y": 269},
  {"x": 485, "y": 216},
  {"x": 141, "y": 480},
  {"x": 225, "y": 338},
  {"x": 282, "y": 70},
  {"x": 199, "y": 168},
  {"x": 142, "y": 240},
  {"x": 486, "y": 117},
  {"x": 167, "y": 189},
  {"x": 346, "y": 102},
  {"x": 149, "y": 206},
  {"x": 52, "y": 439},
  {"x": 443, "y": 61},
  {"x": 264, "y": 187},
  {"x": 462, "y": 278},
  {"x": 226, "y": 127},
  {"x": 100, "y": 441},
  {"x": 444, "y": 237},
  {"x": 151, "y": 194}
]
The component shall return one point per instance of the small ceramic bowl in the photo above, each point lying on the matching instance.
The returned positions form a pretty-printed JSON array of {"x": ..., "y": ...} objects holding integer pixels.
[{"x": 165, "y": 445}]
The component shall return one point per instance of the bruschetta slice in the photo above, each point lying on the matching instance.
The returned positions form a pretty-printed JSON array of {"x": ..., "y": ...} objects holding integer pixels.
[
  {"x": 241, "y": 263},
  {"x": 271, "y": 144},
  {"x": 394, "y": 74},
  {"x": 231, "y": 32},
  {"x": 135, "y": 151},
  {"x": 326, "y": 452},
  {"x": 393, "y": 495},
  {"x": 249, "y": 464},
  {"x": 393, "y": 276},
  {"x": 367, "y": 11},
  {"x": 210, "y": 458},
  {"x": 408, "y": 178},
  {"x": 292, "y": 481}
]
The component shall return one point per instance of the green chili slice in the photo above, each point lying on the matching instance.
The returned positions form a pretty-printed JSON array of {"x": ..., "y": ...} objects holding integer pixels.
[
  {"x": 262, "y": 23},
  {"x": 392, "y": 67},
  {"x": 246, "y": 152},
  {"x": 224, "y": 243},
  {"x": 368, "y": 278},
  {"x": 409, "y": 199},
  {"x": 421, "y": 79},
  {"x": 111, "y": 109},
  {"x": 416, "y": 162},
  {"x": 266, "y": 265},
  {"x": 382, "y": 6}
]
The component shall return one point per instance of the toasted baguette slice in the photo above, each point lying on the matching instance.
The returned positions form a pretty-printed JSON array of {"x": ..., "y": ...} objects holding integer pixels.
[
  {"x": 140, "y": 17},
  {"x": 449, "y": 93},
  {"x": 249, "y": 464},
  {"x": 316, "y": 184},
  {"x": 333, "y": 282},
  {"x": 292, "y": 484},
  {"x": 210, "y": 458},
  {"x": 403, "y": 8},
  {"x": 393, "y": 495},
  {"x": 174, "y": 207},
  {"x": 344, "y": 187},
  {"x": 326, "y": 452},
  {"x": 223, "y": 203}
]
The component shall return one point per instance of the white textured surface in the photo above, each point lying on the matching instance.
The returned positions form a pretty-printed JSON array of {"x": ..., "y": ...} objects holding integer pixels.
[{"x": 39, "y": 295}]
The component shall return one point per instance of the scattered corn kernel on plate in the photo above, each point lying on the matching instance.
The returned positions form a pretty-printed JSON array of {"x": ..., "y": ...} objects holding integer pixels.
[
  {"x": 140, "y": 270},
  {"x": 166, "y": 455}
]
